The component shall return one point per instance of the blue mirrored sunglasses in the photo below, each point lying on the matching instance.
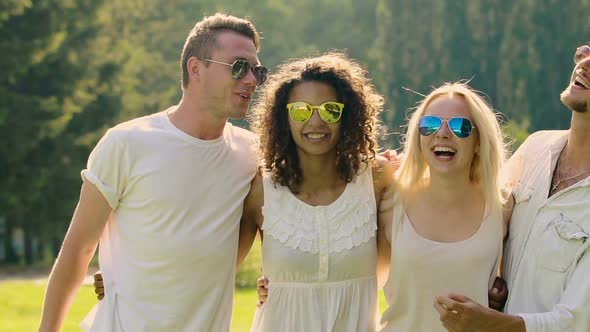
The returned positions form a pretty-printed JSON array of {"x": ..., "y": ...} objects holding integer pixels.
[{"x": 430, "y": 124}]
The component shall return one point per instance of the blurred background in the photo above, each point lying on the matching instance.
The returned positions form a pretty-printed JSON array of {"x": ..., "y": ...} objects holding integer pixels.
[{"x": 71, "y": 69}]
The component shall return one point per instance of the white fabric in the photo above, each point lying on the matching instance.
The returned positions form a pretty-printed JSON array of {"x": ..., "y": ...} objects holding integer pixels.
[
  {"x": 547, "y": 258},
  {"x": 320, "y": 261},
  {"x": 168, "y": 253},
  {"x": 422, "y": 269}
]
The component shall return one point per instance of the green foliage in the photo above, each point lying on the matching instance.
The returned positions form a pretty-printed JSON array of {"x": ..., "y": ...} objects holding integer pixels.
[
  {"x": 251, "y": 268},
  {"x": 72, "y": 69}
]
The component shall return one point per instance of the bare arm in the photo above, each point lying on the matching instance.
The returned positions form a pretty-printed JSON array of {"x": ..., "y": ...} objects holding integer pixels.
[
  {"x": 86, "y": 227},
  {"x": 251, "y": 218},
  {"x": 383, "y": 185}
]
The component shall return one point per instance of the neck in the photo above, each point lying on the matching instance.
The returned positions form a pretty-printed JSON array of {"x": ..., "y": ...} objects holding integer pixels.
[
  {"x": 195, "y": 119},
  {"x": 575, "y": 153},
  {"x": 449, "y": 190},
  {"x": 319, "y": 172}
]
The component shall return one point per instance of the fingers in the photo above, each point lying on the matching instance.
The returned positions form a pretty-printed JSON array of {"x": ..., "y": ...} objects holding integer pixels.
[
  {"x": 459, "y": 298},
  {"x": 498, "y": 295},
  {"x": 262, "y": 281},
  {"x": 262, "y": 290},
  {"x": 98, "y": 286},
  {"x": 448, "y": 304},
  {"x": 449, "y": 318},
  {"x": 442, "y": 311}
]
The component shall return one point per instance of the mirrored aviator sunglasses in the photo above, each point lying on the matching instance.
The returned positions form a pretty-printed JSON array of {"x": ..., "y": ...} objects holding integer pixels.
[
  {"x": 430, "y": 124},
  {"x": 329, "y": 112},
  {"x": 240, "y": 68}
]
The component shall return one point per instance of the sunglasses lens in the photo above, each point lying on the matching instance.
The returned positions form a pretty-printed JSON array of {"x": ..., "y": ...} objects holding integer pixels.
[
  {"x": 428, "y": 125},
  {"x": 260, "y": 73},
  {"x": 461, "y": 127},
  {"x": 330, "y": 112},
  {"x": 299, "y": 112},
  {"x": 239, "y": 69}
]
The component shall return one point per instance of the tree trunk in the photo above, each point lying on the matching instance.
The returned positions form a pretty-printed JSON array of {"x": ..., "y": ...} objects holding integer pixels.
[{"x": 11, "y": 257}]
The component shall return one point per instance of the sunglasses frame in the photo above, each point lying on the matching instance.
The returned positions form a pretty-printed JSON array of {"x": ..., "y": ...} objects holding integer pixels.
[
  {"x": 320, "y": 109},
  {"x": 446, "y": 119},
  {"x": 259, "y": 71}
]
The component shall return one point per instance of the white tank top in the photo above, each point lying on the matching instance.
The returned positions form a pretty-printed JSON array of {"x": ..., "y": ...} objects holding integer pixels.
[
  {"x": 320, "y": 261},
  {"x": 422, "y": 268}
]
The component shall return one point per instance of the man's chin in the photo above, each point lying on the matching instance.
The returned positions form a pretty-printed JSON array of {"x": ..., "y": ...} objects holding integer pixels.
[{"x": 579, "y": 106}]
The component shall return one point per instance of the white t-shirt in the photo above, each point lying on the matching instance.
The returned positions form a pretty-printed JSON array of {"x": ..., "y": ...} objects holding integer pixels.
[{"x": 168, "y": 253}]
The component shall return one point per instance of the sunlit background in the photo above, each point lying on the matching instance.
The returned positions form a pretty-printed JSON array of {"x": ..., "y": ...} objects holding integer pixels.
[{"x": 70, "y": 69}]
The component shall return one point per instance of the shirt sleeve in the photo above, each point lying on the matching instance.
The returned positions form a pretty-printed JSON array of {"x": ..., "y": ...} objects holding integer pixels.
[
  {"x": 106, "y": 168},
  {"x": 571, "y": 313},
  {"x": 513, "y": 168}
]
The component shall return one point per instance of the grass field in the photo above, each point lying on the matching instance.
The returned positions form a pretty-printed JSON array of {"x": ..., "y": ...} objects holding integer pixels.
[{"x": 21, "y": 301}]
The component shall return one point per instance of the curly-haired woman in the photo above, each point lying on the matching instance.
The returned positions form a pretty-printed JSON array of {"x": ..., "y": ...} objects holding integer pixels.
[{"x": 317, "y": 198}]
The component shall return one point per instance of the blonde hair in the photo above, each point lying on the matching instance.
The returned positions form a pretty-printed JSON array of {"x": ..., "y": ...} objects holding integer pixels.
[{"x": 486, "y": 165}]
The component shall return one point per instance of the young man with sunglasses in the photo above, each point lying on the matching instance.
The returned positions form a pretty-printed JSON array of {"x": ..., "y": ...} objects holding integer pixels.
[
  {"x": 152, "y": 195},
  {"x": 547, "y": 255}
]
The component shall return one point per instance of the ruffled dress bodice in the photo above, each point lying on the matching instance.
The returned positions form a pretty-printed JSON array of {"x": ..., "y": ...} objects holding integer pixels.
[{"x": 320, "y": 260}]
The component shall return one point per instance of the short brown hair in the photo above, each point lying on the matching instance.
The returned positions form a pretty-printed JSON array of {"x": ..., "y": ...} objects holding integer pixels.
[
  {"x": 357, "y": 143},
  {"x": 202, "y": 37}
]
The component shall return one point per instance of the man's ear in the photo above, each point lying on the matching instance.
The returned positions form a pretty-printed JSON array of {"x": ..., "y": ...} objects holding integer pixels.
[{"x": 193, "y": 68}]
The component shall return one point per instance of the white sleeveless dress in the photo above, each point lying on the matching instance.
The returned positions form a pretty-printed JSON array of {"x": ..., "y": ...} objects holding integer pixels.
[
  {"x": 320, "y": 261},
  {"x": 422, "y": 268}
]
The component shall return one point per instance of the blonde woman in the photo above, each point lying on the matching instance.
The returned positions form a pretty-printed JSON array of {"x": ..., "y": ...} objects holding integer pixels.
[{"x": 446, "y": 227}]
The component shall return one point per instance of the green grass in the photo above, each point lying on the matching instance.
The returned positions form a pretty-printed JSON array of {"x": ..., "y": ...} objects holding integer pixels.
[{"x": 21, "y": 302}]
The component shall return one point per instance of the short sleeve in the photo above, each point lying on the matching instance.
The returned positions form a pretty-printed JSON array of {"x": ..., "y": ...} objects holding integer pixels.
[{"x": 106, "y": 167}]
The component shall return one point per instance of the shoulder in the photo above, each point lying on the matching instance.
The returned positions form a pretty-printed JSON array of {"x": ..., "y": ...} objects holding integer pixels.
[
  {"x": 135, "y": 127},
  {"x": 240, "y": 134},
  {"x": 540, "y": 141}
]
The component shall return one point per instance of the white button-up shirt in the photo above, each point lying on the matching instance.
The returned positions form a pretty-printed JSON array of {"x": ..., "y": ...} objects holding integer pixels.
[{"x": 547, "y": 256}]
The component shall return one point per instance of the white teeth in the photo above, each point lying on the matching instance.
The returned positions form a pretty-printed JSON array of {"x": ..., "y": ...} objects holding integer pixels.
[
  {"x": 584, "y": 84},
  {"x": 316, "y": 135},
  {"x": 245, "y": 96},
  {"x": 444, "y": 149}
]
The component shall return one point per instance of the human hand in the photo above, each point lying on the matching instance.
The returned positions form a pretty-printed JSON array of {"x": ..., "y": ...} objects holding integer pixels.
[
  {"x": 498, "y": 295},
  {"x": 262, "y": 289},
  {"x": 393, "y": 157},
  {"x": 458, "y": 313},
  {"x": 98, "y": 286}
]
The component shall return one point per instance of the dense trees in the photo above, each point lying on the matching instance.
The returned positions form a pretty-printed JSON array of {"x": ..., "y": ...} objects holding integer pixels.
[{"x": 71, "y": 69}]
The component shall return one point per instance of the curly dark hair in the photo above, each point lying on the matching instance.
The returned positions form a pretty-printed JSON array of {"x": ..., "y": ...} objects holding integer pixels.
[{"x": 357, "y": 143}]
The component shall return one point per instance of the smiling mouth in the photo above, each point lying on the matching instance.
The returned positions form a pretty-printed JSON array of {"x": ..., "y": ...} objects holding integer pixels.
[
  {"x": 244, "y": 96},
  {"x": 581, "y": 84},
  {"x": 445, "y": 152},
  {"x": 315, "y": 136}
]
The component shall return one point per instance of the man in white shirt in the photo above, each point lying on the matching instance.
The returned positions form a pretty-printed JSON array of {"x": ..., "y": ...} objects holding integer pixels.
[
  {"x": 547, "y": 254},
  {"x": 164, "y": 193}
]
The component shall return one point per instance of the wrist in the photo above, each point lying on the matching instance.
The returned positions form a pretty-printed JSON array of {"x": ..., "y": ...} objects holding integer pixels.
[{"x": 508, "y": 323}]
